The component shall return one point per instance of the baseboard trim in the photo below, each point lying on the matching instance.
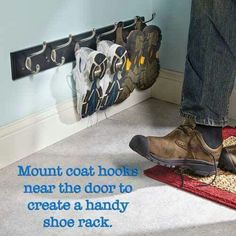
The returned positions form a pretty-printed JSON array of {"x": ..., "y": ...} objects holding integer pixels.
[
  {"x": 169, "y": 87},
  {"x": 35, "y": 132}
]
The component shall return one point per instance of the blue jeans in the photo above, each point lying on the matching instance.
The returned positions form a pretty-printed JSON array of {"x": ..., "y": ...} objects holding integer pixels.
[{"x": 210, "y": 68}]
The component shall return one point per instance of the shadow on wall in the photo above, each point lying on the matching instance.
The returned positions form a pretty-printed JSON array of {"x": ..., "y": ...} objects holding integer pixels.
[{"x": 64, "y": 73}]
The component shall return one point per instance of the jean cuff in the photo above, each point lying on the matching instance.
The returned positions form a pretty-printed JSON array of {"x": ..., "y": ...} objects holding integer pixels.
[{"x": 205, "y": 121}]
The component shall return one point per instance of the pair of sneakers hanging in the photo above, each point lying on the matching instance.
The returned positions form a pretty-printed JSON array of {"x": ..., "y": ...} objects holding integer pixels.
[
  {"x": 142, "y": 67},
  {"x": 97, "y": 76},
  {"x": 109, "y": 76}
]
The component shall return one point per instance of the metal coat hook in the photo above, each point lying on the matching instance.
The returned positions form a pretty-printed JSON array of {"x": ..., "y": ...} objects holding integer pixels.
[
  {"x": 153, "y": 17},
  {"x": 119, "y": 64},
  {"x": 98, "y": 71},
  {"x": 133, "y": 24},
  {"x": 90, "y": 37},
  {"x": 77, "y": 45},
  {"x": 108, "y": 32},
  {"x": 28, "y": 61},
  {"x": 54, "y": 52}
]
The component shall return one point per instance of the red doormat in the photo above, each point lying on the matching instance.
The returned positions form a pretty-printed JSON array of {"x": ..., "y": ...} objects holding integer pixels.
[
  {"x": 171, "y": 177},
  {"x": 229, "y": 132}
]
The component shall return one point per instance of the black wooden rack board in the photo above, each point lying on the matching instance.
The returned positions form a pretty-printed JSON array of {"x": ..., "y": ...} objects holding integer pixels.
[{"x": 44, "y": 60}]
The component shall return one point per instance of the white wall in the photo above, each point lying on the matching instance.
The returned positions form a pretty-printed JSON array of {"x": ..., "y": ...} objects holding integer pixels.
[{"x": 173, "y": 16}]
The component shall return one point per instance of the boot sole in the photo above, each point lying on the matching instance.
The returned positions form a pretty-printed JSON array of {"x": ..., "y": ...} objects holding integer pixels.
[{"x": 198, "y": 167}]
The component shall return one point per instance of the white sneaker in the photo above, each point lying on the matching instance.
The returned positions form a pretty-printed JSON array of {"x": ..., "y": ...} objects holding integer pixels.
[
  {"x": 110, "y": 84},
  {"x": 90, "y": 69}
]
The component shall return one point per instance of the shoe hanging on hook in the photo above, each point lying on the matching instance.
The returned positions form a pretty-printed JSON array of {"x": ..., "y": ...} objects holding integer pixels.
[
  {"x": 28, "y": 61},
  {"x": 54, "y": 52},
  {"x": 77, "y": 46}
]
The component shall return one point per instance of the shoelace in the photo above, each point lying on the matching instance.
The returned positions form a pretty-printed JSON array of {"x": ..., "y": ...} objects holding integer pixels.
[
  {"x": 182, "y": 171},
  {"x": 184, "y": 128}
]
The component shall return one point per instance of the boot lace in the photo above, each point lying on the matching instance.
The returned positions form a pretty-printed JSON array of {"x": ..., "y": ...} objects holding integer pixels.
[{"x": 189, "y": 130}]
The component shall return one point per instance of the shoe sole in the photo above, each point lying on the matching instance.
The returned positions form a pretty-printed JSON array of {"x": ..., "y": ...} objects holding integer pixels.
[{"x": 198, "y": 167}]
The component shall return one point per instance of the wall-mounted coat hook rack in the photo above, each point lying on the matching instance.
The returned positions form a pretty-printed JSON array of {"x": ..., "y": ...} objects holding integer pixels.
[{"x": 37, "y": 59}]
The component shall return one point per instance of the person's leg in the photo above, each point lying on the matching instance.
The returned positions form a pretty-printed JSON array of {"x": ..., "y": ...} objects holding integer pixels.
[
  {"x": 209, "y": 79},
  {"x": 210, "y": 66}
]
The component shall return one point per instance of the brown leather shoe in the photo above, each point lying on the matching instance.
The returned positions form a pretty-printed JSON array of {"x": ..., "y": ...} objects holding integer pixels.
[
  {"x": 228, "y": 159},
  {"x": 183, "y": 147}
]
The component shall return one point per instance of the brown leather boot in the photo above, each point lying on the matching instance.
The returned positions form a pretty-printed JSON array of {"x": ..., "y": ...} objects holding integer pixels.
[
  {"x": 183, "y": 147},
  {"x": 228, "y": 159}
]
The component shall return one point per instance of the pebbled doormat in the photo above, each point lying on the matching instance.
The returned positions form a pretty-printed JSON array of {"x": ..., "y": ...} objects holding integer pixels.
[{"x": 222, "y": 191}]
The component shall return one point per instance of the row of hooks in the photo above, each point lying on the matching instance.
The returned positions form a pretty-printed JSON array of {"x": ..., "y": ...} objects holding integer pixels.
[{"x": 28, "y": 61}]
